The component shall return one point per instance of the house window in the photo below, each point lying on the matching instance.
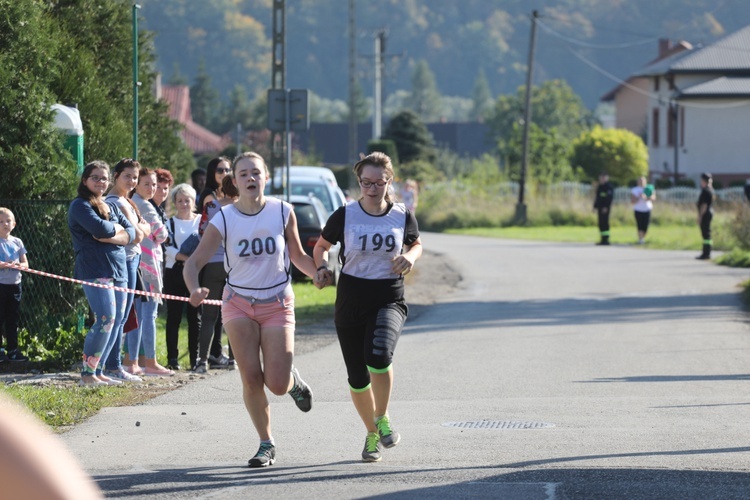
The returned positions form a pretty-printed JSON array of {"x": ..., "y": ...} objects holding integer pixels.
[
  {"x": 670, "y": 79},
  {"x": 656, "y": 83},
  {"x": 671, "y": 119},
  {"x": 655, "y": 127},
  {"x": 682, "y": 127}
]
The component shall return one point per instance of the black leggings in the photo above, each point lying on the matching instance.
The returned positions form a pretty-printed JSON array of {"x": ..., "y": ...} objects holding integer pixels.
[
  {"x": 174, "y": 284},
  {"x": 641, "y": 220},
  {"x": 604, "y": 220},
  {"x": 371, "y": 344}
]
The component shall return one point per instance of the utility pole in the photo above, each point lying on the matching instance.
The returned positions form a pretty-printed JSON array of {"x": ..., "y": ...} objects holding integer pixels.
[
  {"x": 136, "y": 83},
  {"x": 521, "y": 206},
  {"x": 675, "y": 111},
  {"x": 278, "y": 81},
  {"x": 353, "y": 122},
  {"x": 377, "y": 120}
]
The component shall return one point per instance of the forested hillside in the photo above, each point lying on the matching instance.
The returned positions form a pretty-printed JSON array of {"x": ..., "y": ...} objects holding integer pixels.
[{"x": 588, "y": 43}]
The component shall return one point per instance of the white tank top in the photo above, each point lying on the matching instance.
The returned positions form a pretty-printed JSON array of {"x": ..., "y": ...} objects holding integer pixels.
[
  {"x": 255, "y": 256},
  {"x": 372, "y": 241}
]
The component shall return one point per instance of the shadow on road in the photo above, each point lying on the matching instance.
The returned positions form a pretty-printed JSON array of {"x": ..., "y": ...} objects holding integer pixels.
[
  {"x": 569, "y": 311},
  {"x": 506, "y": 480}
]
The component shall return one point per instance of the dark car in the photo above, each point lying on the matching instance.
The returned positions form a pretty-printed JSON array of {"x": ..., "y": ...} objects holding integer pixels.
[{"x": 311, "y": 219}]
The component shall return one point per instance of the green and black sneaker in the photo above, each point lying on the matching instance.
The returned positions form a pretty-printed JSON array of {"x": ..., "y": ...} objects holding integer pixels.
[
  {"x": 371, "y": 453},
  {"x": 388, "y": 436}
]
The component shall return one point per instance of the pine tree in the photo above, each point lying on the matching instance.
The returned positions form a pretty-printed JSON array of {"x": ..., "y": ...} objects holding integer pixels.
[
  {"x": 205, "y": 103},
  {"x": 413, "y": 140},
  {"x": 481, "y": 98},
  {"x": 425, "y": 96}
]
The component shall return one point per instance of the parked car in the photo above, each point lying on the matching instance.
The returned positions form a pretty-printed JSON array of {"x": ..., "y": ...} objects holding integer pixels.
[
  {"x": 311, "y": 219},
  {"x": 318, "y": 181}
]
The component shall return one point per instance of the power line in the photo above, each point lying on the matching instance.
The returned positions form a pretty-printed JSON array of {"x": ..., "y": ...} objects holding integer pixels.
[
  {"x": 574, "y": 41},
  {"x": 652, "y": 95}
]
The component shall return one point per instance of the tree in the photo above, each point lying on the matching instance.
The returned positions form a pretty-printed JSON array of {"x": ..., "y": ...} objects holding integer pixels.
[
  {"x": 362, "y": 109},
  {"x": 96, "y": 72},
  {"x": 205, "y": 102},
  {"x": 177, "y": 78},
  {"x": 33, "y": 163},
  {"x": 413, "y": 140},
  {"x": 553, "y": 104},
  {"x": 548, "y": 155},
  {"x": 618, "y": 152},
  {"x": 425, "y": 96},
  {"x": 481, "y": 98}
]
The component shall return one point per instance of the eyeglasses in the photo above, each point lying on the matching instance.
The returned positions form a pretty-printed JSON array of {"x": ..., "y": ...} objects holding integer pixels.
[
  {"x": 96, "y": 178},
  {"x": 368, "y": 184},
  {"x": 223, "y": 170}
]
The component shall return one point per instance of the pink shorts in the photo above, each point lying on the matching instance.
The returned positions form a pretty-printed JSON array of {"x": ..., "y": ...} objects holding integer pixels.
[{"x": 277, "y": 311}]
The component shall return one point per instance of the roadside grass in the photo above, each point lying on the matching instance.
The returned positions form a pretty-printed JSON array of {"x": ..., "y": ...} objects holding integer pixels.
[
  {"x": 662, "y": 237},
  {"x": 63, "y": 406}
]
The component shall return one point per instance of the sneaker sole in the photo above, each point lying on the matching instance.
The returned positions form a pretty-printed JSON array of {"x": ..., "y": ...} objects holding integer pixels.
[
  {"x": 372, "y": 459},
  {"x": 392, "y": 443},
  {"x": 260, "y": 466}
]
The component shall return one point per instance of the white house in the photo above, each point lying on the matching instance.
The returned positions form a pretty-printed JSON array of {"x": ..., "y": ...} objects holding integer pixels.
[
  {"x": 630, "y": 98},
  {"x": 698, "y": 114}
]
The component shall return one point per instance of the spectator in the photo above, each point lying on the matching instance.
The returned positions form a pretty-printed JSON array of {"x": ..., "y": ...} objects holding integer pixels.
[
  {"x": 198, "y": 180},
  {"x": 182, "y": 226},
  {"x": 151, "y": 274},
  {"x": 100, "y": 232},
  {"x": 706, "y": 214},
  {"x": 605, "y": 193},
  {"x": 125, "y": 178},
  {"x": 642, "y": 196},
  {"x": 13, "y": 251}
]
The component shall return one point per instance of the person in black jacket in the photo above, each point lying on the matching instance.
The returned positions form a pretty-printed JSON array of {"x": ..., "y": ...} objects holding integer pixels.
[
  {"x": 706, "y": 213},
  {"x": 605, "y": 192}
]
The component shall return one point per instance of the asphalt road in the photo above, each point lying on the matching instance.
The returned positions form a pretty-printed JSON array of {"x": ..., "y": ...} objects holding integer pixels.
[{"x": 551, "y": 371}]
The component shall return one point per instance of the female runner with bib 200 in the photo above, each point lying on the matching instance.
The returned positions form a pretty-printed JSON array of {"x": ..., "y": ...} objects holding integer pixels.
[
  {"x": 260, "y": 238},
  {"x": 379, "y": 244}
]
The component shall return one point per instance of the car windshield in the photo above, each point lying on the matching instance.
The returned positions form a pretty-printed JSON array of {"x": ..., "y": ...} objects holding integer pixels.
[
  {"x": 317, "y": 190},
  {"x": 306, "y": 217}
]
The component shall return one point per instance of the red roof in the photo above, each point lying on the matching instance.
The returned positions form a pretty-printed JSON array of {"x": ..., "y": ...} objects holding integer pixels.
[{"x": 199, "y": 139}]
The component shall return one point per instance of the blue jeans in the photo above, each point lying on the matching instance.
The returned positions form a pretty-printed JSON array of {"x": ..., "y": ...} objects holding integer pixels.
[
  {"x": 114, "y": 360},
  {"x": 108, "y": 307},
  {"x": 145, "y": 335}
]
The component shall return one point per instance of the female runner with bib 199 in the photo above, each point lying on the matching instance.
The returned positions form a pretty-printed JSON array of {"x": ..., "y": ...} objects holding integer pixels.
[
  {"x": 379, "y": 244},
  {"x": 260, "y": 238}
]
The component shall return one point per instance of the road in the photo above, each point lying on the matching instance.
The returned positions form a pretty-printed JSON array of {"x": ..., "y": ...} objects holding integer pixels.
[{"x": 551, "y": 371}]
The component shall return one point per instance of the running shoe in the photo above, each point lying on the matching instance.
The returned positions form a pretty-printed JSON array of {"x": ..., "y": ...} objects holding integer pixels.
[
  {"x": 232, "y": 364},
  {"x": 16, "y": 356},
  {"x": 200, "y": 367},
  {"x": 372, "y": 450},
  {"x": 266, "y": 456},
  {"x": 388, "y": 436},
  {"x": 122, "y": 376},
  {"x": 174, "y": 364},
  {"x": 218, "y": 362},
  {"x": 301, "y": 392}
]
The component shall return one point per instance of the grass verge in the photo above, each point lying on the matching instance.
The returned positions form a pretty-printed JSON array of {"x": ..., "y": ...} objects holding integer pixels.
[{"x": 61, "y": 405}]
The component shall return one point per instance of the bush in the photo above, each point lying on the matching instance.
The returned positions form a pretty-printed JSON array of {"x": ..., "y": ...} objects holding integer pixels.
[
  {"x": 740, "y": 227},
  {"x": 618, "y": 152}
]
